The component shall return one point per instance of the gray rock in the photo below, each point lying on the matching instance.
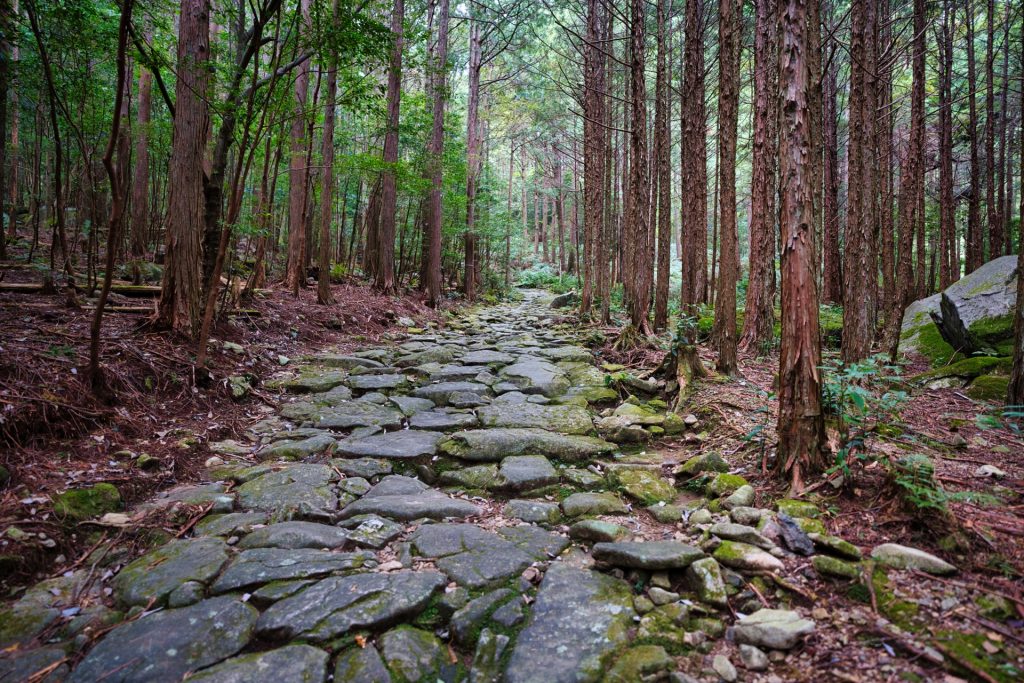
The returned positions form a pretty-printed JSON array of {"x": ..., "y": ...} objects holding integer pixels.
[
  {"x": 352, "y": 414},
  {"x": 188, "y": 593},
  {"x": 456, "y": 373},
  {"x": 774, "y": 629},
  {"x": 535, "y": 541},
  {"x": 596, "y": 530},
  {"x": 705, "y": 578},
  {"x": 397, "y": 484},
  {"x": 660, "y": 596},
  {"x": 525, "y": 472},
  {"x": 410, "y": 405},
  {"x": 279, "y": 590},
  {"x": 467, "y": 620},
  {"x": 346, "y": 362},
  {"x": 298, "y": 489},
  {"x": 795, "y": 538},
  {"x": 533, "y": 511},
  {"x": 361, "y": 665},
  {"x": 440, "y": 420},
  {"x": 724, "y": 668},
  {"x": 371, "y": 531},
  {"x": 592, "y": 504},
  {"x": 231, "y": 524},
  {"x": 22, "y": 664},
  {"x": 741, "y": 497},
  {"x": 746, "y": 557},
  {"x": 753, "y": 659},
  {"x": 430, "y": 354},
  {"x": 155, "y": 575},
  {"x": 564, "y": 419},
  {"x": 584, "y": 479},
  {"x": 487, "y": 357},
  {"x": 413, "y": 655},
  {"x": 564, "y": 300},
  {"x": 406, "y": 507},
  {"x": 487, "y": 657},
  {"x": 647, "y": 554},
  {"x": 295, "y": 535},
  {"x": 377, "y": 382},
  {"x": 367, "y": 468},
  {"x": 338, "y": 604},
  {"x": 976, "y": 312},
  {"x": 580, "y": 618},
  {"x": 747, "y": 515},
  {"x": 405, "y": 444},
  {"x": 470, "y": 556},
  {"x": 441, "y": 392},
  {"x": 167, "y": 645},
  {"x": 473, "y": 477},
  {"x": 740, "y": 532},
  {"x": 263, "y": 565},
  {"x": 905, "y": 557},
  {"x": 290, "y": 663},
  {"x": 536, "y": 376},
  {"x": 510, "y": 614},
  {"x": 289, "y": 449},
  {"x": 492, "y": 445},
  {"x": 311, "y": 384}
]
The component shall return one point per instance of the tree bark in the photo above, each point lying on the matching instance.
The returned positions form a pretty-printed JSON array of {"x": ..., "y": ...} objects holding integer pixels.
[
  {"x": 800, "y": 426},
  {"x": 995, "y": 230},
  {"x": 638, "y": 278},
  {"x": 693, "y": 150},
  {"x": 948, "y": 268},
  {"x": 760, "y": 314},
  {"x": 298, "y": 176},
  {"x": 323, "y": 289},
  {"x": 384, "y": 281},
  {"x": 473, "y": 154},
  {"x": 662, "y": 150},
  {"x": 860, "y": 258},
  {"x": 438, "y": 66},
  {"x": 729, "y": 30},
  {"x": 832, "y": 279},
  {"x": 140, "y": 178}
]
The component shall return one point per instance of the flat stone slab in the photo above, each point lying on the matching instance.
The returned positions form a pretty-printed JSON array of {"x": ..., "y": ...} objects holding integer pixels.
[
  {"x": 440, "y": 420},
  {"x": 410, "y": 405},
  {"x": 263, "y": 565},
  {"x": 313, "y": 383},
  {"x": 291, "y": 663},
  {"x": 372, "y": 531},
  {"x": 592, "y": 504},
  {"x": 564, "y": 419},
  {"x": 352, "y": 414},
  {"x": 431, "y": 504},
  {"x": 774, "y": 629},
  {"x": 361, "y": 665},
  {"x": 405, "y": 444},
  {"x": 167, "y": 645},
  {"x": 493, "y": 445},
  {"x": 487, "y": 357},
  {"x": 651, "y": 555},
  {"x": 533, "y": 511},
  {"x": 336, "y": 605},
  {"x": 304, "y": 489},
  {"x": 525, "y": 472},
  {"x": 470, "y": 556},
  {"x": 367, "y": 468},
  {"x": 580, "y": 618},
  {"x": 905, "y": 557},
  {"x": 412, "y": 654},
  {"x": 296, "y": 449},
  {"x": 155, "y": 575},
  {"x": 441, "y": 392},
  {"x": 376, "y": 382},
  {"x": 536, "y": 376},
  {"x": 334, "y": 360},
  {"x": 295, "y": 535}
]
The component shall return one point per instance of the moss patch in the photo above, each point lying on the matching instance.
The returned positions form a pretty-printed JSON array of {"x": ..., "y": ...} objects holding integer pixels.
[
  {"x": 79, "y": 504},
  {"x": 989, "y": 388},
  {"x": 926, "y": 340},
  {"x": 968, "y": 368},
  {"x": 967, "y": 648}
]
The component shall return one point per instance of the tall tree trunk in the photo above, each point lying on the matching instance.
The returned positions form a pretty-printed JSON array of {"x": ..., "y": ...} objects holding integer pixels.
[
  {"x": 832, "y": 279},
  {"x": 593, "y": 150},
  {"x": 182, "y": 283},
  {"x": 995, "y": 230},
  {"x": 384, "y": 281},
  {"x": 693, "y": 150},
  {"x": 800, "y": 426},
  {"x": 729, "y": 34},
  {"x": 323, "y": 289},
  {"x": 1002, "y": 171},
  {"x": 860, "y": 259},
  {"x": 140, "y": 178},
  {"x": 975, "y": 237},
  {"x": 638, "y": 277},
  {"x": 662, "y": 151},
  {"x": 911, "y": 190},
  {"x": 759, "y": 316},
  {"x": 438, "y": 70},
  {"x": 473, "y": 153},
  {"x": 1015, "y": 390},
  {"x": 298, "y": 176},
  {"x": 948, "y": 269},
  {"x": 881, "y": 157},
  {"x": 6, "y": 21}
]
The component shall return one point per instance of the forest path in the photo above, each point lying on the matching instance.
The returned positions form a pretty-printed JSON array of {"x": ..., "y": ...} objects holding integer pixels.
[{"x": 443, "y": 510}]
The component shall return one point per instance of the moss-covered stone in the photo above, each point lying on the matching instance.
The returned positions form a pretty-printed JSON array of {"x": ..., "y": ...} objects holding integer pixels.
[
  {"x": 797, "y": 508},
  {"x": 967, "y": 369},
  {"x": 645, "y": 486},
  {"x": 724, "y": 483},
  {"x": 637, "y": 663},
  {"x": 989, "y": 388},
  {"x": 80, "y": 504},
  {"x": 831, "y": 566},
  {"x": 968, "y": 653}
]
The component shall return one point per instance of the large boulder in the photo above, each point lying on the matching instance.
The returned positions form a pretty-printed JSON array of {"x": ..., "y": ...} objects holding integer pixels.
[{"x": 974, "y": 314}]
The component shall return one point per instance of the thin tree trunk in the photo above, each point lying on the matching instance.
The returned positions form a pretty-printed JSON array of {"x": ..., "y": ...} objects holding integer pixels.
[
  {"x": 662, "y": 151},
  {"x": 948, "y": 269},
  {"x": 729, "y": 33},
  {"x": 995, "y": 229},
  {"x": 693, "y": 150},
  {"x": 638, "y": 277},
  {"x": 439, "y": 67},
  {"x": 800, "y": 426},
  {"x": 760, "y": 314},
  {"x": 323, "y": 289},
  {"x": 298, "y": 176},
  {"x": 384, "y": 280},
  {"x": 140, "y": 180}
]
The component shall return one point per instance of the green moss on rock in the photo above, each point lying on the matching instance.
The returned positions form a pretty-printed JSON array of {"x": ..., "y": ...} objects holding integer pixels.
[
  {"x": 989, "y": 388},
  {"x": 80, "y": 504}
]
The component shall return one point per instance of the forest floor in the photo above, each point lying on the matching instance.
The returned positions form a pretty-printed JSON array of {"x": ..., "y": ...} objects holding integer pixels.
[
  {"x": 55, "y": 435},
  {"x": 886, "y": 624}
]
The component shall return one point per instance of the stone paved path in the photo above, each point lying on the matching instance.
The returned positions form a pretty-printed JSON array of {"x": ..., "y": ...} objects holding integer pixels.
[{"x": 472, "y": 505}]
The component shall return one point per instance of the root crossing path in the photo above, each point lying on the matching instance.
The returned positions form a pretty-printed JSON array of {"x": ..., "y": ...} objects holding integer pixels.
[{"x": 473, "y": 504}]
